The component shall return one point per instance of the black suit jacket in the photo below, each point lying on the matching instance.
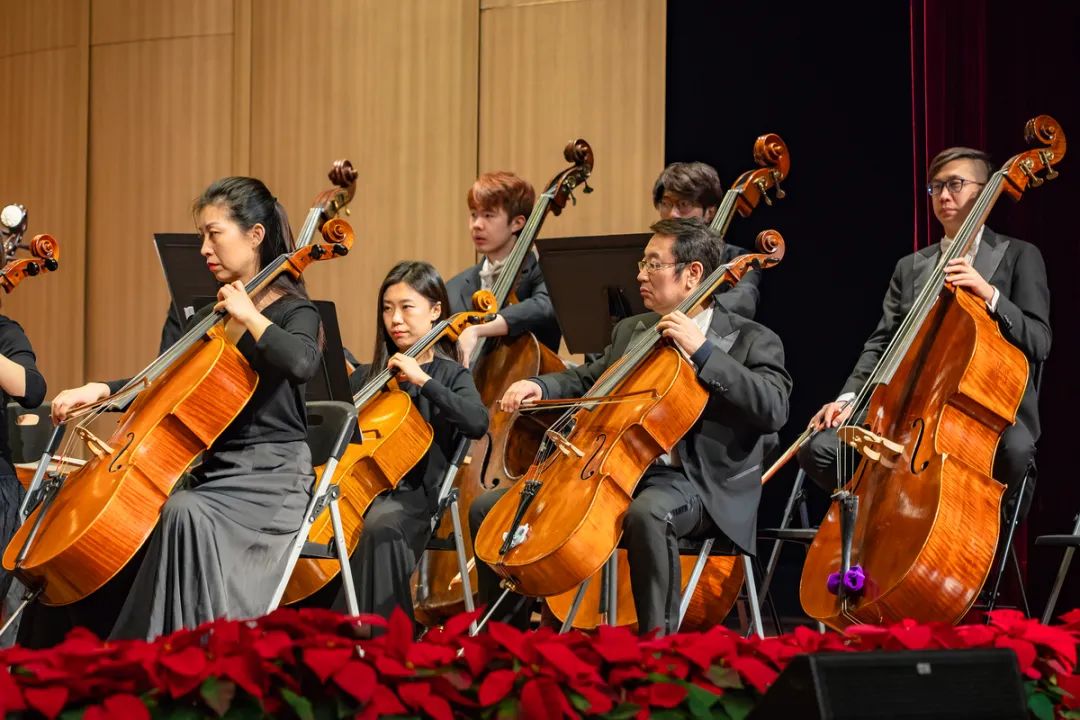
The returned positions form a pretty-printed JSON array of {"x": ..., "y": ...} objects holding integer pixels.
[
  {"x": 748, "y": 399},
  {"x": 532, "y": 313},
  {"x": 741, "y": 299},
  {"x": 1012, "y": 266}
]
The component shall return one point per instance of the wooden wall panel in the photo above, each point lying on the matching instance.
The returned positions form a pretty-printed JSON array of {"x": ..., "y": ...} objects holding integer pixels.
[
  {"x": 115, "y": 21},
  {"x": 33, "y": 25},
  {"x": 160, "y": 132},
  {"x": 43, "y": 146},
  {"x": 392, "y": 87},
  {"x": 554, "y": 71}
]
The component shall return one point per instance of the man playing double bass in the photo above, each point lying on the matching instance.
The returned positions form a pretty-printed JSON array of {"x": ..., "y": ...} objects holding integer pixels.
[
  {"x": 1007, "y": 274},
  {"x": 710, "y": 484}
]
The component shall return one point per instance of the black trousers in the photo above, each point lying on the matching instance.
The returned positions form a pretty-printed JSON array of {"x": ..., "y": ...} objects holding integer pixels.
[
  {"x": 665, "y": 509},
  {"x": 1015, "y": 454}
]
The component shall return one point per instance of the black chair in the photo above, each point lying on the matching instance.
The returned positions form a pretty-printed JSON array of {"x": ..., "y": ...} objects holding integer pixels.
[
  {"x": 1070, "y": 543},
  {"x": 330, "y": 428}
]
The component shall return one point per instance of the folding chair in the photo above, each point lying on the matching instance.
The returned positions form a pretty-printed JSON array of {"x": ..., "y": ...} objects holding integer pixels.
[
  {"x": 330, "y": 428},
  {"x": 448, "y": 500},
  {"x": 1070, "y": 543}
]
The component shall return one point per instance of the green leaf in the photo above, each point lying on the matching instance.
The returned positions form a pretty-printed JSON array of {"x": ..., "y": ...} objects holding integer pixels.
[
  {"x": 508, "y": 709},
  {"x": 667, "y": 714},
  {"x": 300, "y": 705},
  {"x": 578, "y": 701},
  {"x": 1041, "y": 706},
  {"x": 218, "y": 694},
  {"x": 724, "y": 677},
  {"x": 185, "y": 712},
  {"x": 72, "y": 714},
  {"x": 700, "y": 701},
  {"x": 736, "y": 705},
  {"x": 623, "y": 711}
]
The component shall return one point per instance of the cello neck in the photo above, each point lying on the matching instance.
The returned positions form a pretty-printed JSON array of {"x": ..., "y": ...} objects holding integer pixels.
[
  {"x": 725, "y": 213},
  {"x": 375, "y": 386}
]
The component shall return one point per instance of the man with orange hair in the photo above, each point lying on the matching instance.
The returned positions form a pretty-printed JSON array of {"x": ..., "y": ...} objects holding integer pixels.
[{"x": 499, "y": 205}]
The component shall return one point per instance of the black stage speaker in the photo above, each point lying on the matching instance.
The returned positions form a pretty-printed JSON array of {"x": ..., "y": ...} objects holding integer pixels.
[{"x": 937, "y": 684}]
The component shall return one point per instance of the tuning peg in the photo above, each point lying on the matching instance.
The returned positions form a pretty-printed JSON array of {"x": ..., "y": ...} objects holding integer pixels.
[
  {"x": 764, "y": 195},
  {"x": 1025, "y": 167},
  {"x": 587, "y": 188},
  {"x": 780, "y": 194},
  {"x": 1046, "y": 156},
  {"x": 340, "y": 249},
  {"x": 51, "y": 264},
  {"x": 32, "y": 269}
]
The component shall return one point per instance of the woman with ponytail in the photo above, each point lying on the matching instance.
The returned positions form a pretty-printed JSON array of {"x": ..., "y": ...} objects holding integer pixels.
[{"x": 223, "y": 539}]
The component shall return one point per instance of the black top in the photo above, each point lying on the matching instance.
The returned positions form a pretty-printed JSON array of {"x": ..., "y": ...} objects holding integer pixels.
[
  {"x": 450, "y": 403},
  {"x": 15, "y": 346},
  {"x": 285, "y": 357}
]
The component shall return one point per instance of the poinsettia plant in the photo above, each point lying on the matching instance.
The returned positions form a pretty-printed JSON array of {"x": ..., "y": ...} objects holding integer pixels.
[{"x": 308, "y": 664}]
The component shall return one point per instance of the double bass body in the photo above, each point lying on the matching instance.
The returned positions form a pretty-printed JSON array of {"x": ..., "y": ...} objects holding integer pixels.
[{"x": 928, "y": 516}]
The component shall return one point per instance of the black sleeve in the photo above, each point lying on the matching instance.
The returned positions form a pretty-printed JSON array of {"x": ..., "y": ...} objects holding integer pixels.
[
  {"x": 15, "y": 346},
  {"x": 760, "y": 388},
  {"x": 171, "y": 331},
  {"x": 882, "y": 335},
  {"x": 458, "y": 400},
  {"x": 1024, "y": 316},
  {"x": 533, "y": 312},
  {"x": 576, "y": 381},
  {"x": 290, "y": 345}
]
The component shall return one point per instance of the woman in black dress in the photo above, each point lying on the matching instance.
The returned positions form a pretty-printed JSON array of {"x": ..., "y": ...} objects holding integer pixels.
[
  {"x": 397, "y": 525},
  {"x": 222, "y": 542}
]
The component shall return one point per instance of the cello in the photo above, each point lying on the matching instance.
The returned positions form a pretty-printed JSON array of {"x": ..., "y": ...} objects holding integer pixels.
[
  {"x": 497, "y": 365},
  {"x": 44, "y": 250},
  {"x": 914, "y": 532},
  {"x": 722, "y": 577},
  {"x": 86, "y": 532},
  {"x": 394, "y": 437},
  {"x": 566, "y": 520}
]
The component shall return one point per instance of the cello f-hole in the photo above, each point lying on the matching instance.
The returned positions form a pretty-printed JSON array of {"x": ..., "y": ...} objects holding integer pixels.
[
  {"x": 915, "y": 467},
  {"x": 116, "y": 465},
  {"x": 587, "y": 471}
]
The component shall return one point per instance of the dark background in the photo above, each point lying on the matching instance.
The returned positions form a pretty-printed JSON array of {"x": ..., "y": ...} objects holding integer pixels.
[{"x": 864, "y": 94}]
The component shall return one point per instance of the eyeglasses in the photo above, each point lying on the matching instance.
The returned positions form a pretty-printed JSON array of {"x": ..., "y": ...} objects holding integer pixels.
[
  {"x": 954, "y": 185},
  {"x": 651, "y": 266},
  {"x": 684, "y": 206}
]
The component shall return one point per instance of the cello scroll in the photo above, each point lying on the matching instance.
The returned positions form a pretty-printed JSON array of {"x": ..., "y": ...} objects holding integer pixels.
[
  {"x": 580, "y": 153},
  {"x": 1022, "y": 169}
]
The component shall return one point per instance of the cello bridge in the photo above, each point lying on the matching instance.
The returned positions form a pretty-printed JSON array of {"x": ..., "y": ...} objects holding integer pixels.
[
  {"x": 869, "y": 444},
  {"x": 99, "y": 447}
]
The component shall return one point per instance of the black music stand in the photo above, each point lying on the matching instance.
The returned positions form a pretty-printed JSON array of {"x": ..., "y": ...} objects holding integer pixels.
[
  {"x": 192, "y": 287},
  {"x": 592, "y": 281}
]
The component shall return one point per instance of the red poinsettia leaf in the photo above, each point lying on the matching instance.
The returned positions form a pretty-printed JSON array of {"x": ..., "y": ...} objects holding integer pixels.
[
  {"x": 619, "y": 676},
  {"x": 598, "y": 701},
  {"x": 1007, "y": 618},
  {"x": 385, "y": 702},
  {"x": 10, "y": 697},
  {"x": 273, "y": 645},
  {"x": 617, "y": 644},
  {"x": 399, "y": 634},
  {"x": 512, "y": 640},
  {"x": 1071, "y": 618},
  {"x": 245, "y": 672},
  {"x": 442, "y": 686},
  {"x": 189, "y": 662},
  {"x": 541, "y": 699},
  {"x": 911, "y": 636},
  {"x": 754, "y": 672},
  {"x": 126, "y": 706},
  {"x": 1025, "y": 654},
  {"x": 478, "y": 656},
  {"x": 96, "y": 712},
  {"x": 427, "y": 655},
  {"x": 1071, "y": 685},
  {"x": 457, "y": 626},
  {"x": 48, "y": 701},
  {"x": 358, "y": 679},
  {"x": 967, "y": 637},
  {"x": 324, "y": 662},
  {"x": 496, "y": 686},
  {"x": 666, "y": 695},
  {"x": 392, "y": 667},
  {"x": 566, "y": 662},
  {"x": 414, "y": 694},
  {"x": 1056, "y": 639}
]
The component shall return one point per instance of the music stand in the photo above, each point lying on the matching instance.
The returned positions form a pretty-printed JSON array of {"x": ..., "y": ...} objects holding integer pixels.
[
  {"x": 592, "y": 281},
  {"x": 192, "y": 287},
  {"x": 186, "y": 274}
]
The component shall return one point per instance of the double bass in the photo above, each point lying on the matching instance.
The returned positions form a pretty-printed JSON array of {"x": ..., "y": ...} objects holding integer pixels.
[
  {"x": 496, "y": 365},
  {"x": 86, "y": 532},
  {"x": 394, "y": 437},
  {"x": 914, "y": 532},
  {"x": 566, "y": 520},
  {"x": 722, "y": 577}
]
